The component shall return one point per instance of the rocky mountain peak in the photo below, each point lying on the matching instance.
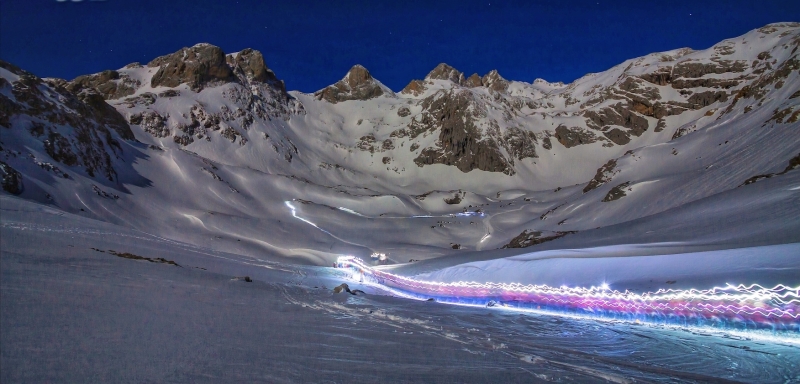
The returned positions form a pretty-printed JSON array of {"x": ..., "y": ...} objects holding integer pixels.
[
  {"x": 196, "y": 66},
  {"x": 357, "y": 84},
  {"x": 543, "y": 82},
  {"x": 446, "y": 72},
  {"x": 108, "y": 83},
  {"x": 358, "y": 76},
  {"x": 250, "y": 65},
  {"x": 493, "y": 80},
  {"x": 73, "y": 129},
  {"x": 415, "y": 87},
  {"x": 473, "y": 81}
]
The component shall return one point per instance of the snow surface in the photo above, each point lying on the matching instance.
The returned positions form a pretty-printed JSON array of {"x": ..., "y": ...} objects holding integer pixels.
[
  {"x": 70, "y": 313},
  {"x": 298, "y": 194}
]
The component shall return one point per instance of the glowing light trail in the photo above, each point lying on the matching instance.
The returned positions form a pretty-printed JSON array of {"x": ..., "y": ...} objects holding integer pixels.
[
  {"x": 731, "y": 306},
  {"x": 294, "y": 214}
]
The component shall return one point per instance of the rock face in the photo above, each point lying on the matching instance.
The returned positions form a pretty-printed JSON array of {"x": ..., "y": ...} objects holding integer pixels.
[
  {"x": 197, "y": 66},
  {"x": 252, "y": 93},
  {"x": 530, "y": 238},
  {"x": 360, "y": 140},
  {"x": 249, "y": 64},
  {"x": 494, "y": 81},
  {"x": 485, "y": 122},
  {"x": 622, "y": 115},
  {"x": 617, "y": 192},
  {"x": 571, "y": 137},
  {"x": 10, "y": 179},
  {"x": 76, "y": 130},
  {"x": 446, "y": 72},
  {"x": 358, "y": 84},
  {"x": 460, "y": 142},
  {"x": 415, "y": 87},
  {"x": 603, "y": 175},
  {"x": 108, "y": 83},
  {"x": 473, "y": 81}
]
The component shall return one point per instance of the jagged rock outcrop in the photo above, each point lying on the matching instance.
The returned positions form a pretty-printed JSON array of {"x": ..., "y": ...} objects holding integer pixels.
[
  {"x": 473, "y": 81},
  {"x": 530, "y": 238},
  {"x": 690, "y": 69},
  {"x": 604, "y": 174},
  {"x": 110, "y": 84},
  {"x": 74, "y": 130},
  {"x": 446, "y": 72},
  {"x": 617, "y": 192},
  {"x": 196, "y": 66},
  {"x": 574, "y": 136},
  {"x": 358, "y": 84},
  {"x": 10, "y": 179},
  {"x": 248, "y": 65},
  {"x": 460, "y": 142},
  {"x": 519, "y": 143},
  {"x": 494, "y": 81},
  {"x": 415, "y": 87},
  {"x": 619, "y": 114},
  {"x": 794, "y": 163}
]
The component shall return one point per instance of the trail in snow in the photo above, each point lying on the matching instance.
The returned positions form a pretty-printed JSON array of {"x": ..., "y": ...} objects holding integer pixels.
[{"x": 294, "y": 214}]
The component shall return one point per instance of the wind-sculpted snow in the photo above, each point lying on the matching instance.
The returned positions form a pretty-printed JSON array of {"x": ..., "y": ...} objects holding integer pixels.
[{"x": 730, "y": 306}]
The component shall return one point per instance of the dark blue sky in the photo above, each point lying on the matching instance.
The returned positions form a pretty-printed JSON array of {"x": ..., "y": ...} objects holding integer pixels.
[{"x": 311, "y": 44}]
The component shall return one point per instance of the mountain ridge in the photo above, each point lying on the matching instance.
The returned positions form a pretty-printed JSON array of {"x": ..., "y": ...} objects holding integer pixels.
[{"x": 211, "y": 144}]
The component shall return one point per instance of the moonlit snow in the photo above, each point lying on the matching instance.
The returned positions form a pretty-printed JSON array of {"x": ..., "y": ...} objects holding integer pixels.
[{"x": 212, "y": 251}]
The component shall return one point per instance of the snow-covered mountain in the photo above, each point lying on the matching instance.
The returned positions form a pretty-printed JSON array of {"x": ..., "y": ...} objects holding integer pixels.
[{"x": 211, "y": 149}]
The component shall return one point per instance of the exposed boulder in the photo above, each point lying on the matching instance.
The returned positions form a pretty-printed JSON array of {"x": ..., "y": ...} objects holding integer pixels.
[
  {"x": 455, "y": 200},
  {"x": 198, "y": 66},
  {"x": 345, "y": 288}
]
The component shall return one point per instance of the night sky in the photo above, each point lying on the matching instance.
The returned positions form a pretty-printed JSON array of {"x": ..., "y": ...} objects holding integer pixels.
[{"x": 311, "y": 44}]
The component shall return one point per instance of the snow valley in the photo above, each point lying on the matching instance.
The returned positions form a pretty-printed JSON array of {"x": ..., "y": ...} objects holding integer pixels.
[{"x": 670, "y": 173}]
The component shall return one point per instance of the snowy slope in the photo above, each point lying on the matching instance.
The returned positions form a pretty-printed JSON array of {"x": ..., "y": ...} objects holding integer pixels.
[
  {"x": 227, "y": 159},
  {"x": 71, "y": 310}
]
